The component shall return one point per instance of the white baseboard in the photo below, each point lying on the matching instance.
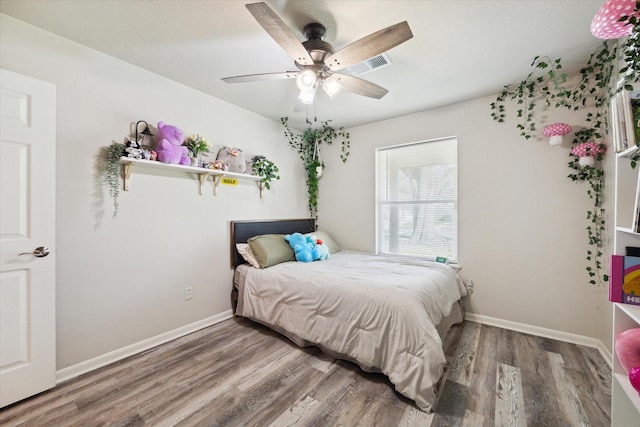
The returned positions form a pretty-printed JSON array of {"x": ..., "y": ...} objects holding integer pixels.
[
  {"x": 73, "y": 371},
  {"x": 542, "y": 332}
]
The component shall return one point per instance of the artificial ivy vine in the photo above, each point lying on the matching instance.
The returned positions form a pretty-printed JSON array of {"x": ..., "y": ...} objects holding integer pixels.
[
  {"x": 630, "y": 48},
  {"x": 547, "y": 84},
  {"x": 112, "y": 172},
  {"x": 307, "y": 144},
  {"x": 594, "y": 177},
  {"x": 591, "y": 91}
]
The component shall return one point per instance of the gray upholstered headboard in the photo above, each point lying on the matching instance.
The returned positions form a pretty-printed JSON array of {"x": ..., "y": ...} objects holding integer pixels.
[{"x": 241, "y": 231}]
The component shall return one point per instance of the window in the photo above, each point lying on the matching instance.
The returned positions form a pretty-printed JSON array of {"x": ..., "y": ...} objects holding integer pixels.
[{"x": 416, "y": 199}]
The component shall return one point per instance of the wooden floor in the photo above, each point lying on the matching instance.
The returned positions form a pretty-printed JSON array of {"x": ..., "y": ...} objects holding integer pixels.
[{"x": 238, "y": 373}]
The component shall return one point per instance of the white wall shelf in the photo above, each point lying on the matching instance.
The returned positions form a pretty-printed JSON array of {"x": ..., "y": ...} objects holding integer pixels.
[
  {"x": 628, "y": 152},
  {"x": 627, "y": 230},
  {"x": 202, "y": 174}
]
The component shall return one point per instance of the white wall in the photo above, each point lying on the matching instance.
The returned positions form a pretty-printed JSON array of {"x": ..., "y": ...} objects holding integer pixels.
[
  {"x": 522, "y": 236},
  {"x": 122, "y": 280}
]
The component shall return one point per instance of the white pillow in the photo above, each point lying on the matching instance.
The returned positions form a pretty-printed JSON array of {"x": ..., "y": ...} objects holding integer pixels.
[{"x": 245, "y": 250}]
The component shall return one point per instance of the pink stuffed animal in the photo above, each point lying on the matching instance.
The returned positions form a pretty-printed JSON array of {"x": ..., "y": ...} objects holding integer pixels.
[
  {"x": 627, "y": 345},
  {"x": 170, "y": 148}
]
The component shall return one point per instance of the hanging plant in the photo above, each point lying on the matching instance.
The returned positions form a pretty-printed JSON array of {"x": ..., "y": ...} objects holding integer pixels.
[
  {"x": 548, "y": 85},
  {"x": 592, "y": 173},
  {"x": 265, "y": 169},
  {"x": 112, "y": 172},
  {"x": 307, "y": 144},
  {"x": 630, "y": 48}
]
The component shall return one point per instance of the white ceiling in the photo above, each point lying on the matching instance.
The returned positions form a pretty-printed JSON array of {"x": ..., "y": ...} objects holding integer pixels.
[{"x": 461, "y": 50}]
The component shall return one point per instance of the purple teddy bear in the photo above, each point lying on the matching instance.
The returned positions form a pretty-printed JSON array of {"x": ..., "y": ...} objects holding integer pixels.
[{"x": 170, "y": 148}]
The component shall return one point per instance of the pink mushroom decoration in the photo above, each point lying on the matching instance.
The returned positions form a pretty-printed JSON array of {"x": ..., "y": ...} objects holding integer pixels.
[
  {"x": 606, "y": 24},
  {"x": 555, "y": 132},
  {"x": 587, "y": 151}
]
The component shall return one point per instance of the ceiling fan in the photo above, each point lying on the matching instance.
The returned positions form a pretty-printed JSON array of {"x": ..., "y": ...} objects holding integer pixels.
[{"x": 317, "y": 61}]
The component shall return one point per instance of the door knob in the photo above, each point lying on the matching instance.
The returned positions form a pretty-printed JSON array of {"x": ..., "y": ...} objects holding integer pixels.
[{"x": 40, "y": 252}]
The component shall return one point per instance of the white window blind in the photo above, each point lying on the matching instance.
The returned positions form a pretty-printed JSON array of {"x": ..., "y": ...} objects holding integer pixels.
[{"x": 417, "y": 198}]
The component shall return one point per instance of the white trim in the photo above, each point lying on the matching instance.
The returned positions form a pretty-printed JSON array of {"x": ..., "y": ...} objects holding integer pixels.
[
  {"x": 73, "y": 371},
  {"x": 542, "y": 332}
]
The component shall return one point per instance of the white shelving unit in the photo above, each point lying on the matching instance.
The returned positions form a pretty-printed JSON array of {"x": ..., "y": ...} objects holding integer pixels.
[
  {"x": 625, "y": 401},
  {"x": 127, "y": 165}
]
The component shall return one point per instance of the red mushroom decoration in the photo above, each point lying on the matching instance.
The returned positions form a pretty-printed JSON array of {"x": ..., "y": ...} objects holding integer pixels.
[
  {"x": 587, "y": 152},
  {"x": 555, "y": 132},
  {"x": 607, "y": 25}
]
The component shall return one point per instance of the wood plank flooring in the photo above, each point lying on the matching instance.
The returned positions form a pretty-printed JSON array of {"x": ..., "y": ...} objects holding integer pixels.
[{"x": 239, "y": 373}]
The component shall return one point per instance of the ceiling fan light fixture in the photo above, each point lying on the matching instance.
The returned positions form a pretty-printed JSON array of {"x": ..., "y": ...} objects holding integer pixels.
[
  {"x": 331, "y": 87},
  {"x": 316, "y": 59},
  {"x": 306, "y": 80},
  {"x": 307, "y": 96}
]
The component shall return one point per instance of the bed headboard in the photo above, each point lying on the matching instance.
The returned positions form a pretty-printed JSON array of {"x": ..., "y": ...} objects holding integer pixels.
[{"x": 241, "y": 231}]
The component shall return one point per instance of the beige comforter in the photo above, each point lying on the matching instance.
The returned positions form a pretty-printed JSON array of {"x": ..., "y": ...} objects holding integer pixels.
[{"x": 378, "y": 311}]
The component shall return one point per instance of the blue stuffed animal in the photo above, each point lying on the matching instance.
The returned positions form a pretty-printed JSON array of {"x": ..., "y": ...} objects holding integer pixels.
[
  {"x": 322, "y": 248},
  {"x": 304, "y": 247}
]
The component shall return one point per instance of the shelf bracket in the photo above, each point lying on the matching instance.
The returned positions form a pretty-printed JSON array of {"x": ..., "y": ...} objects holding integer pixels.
[
  {"x": 202, "y": 178},
  {"x": 260, "y": 187},
  {"x": 216, "y": 182},
  {"x": 125, "y": 173}
]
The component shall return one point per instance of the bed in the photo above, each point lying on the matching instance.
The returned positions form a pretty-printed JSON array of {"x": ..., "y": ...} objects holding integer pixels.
[{"x": 388, "y": 314}]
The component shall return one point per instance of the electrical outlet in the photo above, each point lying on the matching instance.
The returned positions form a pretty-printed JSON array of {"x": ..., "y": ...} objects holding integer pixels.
[{"x": 188, "y": 293}]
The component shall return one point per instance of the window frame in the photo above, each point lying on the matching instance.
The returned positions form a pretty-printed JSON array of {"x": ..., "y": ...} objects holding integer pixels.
[{"x": 379, "y": 205}]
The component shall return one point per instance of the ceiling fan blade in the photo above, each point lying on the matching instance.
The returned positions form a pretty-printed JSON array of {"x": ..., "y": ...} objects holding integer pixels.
[
  {"x": 369, "y": 46},
  {"x": 359, "y": 86},
  {"x": 264, "y": 76},
  {"x": 279, "y": 31}
]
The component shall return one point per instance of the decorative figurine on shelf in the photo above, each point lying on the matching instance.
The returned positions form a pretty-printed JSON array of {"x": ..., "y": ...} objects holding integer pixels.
[
  {"x": 233, "y": 158},
  {"x": 219, "y": 165},
  {"x": 170, "y": 148},
  {"x": 132, "y": 149}
]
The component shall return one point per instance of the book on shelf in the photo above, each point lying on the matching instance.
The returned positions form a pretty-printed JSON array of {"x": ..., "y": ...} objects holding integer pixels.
[
  {"x": 619, "y": 118},
  {"x": 634, "y": 100},
  {"x": 624, "y": 280},
  {"x": 625, "y": 114},
  {"x": 635, "y": 225}
]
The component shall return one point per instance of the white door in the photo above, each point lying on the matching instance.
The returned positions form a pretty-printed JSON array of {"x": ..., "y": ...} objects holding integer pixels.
[{"x": 27, "y": 223}]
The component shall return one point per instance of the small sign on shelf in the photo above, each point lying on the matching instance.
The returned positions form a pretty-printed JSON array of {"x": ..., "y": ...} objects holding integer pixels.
[{"x": 624, "y": 282}]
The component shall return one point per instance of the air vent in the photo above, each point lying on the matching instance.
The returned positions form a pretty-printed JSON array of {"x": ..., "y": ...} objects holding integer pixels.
[{"x": 370, "y": 64}]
